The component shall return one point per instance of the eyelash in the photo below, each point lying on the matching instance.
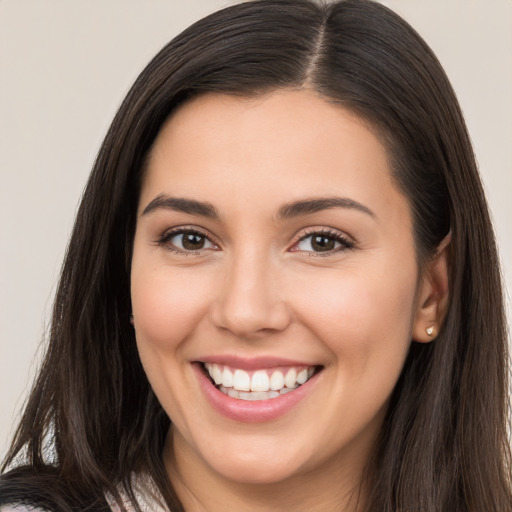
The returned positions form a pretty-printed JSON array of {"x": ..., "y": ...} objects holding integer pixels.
[
  {"x": 167, "y": 236},
  {"x": 345, "y": 242}
]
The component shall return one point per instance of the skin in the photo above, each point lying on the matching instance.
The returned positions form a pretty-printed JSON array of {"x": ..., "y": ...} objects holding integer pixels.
[{"x": 259, "y": 289}]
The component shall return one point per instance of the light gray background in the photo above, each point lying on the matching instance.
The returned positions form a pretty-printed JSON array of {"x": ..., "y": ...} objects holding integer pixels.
[{"x": 64, "y": 68}]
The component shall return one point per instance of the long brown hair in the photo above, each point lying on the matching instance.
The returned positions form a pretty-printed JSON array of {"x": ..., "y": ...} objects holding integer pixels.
[{"x": 92, "y": 420}]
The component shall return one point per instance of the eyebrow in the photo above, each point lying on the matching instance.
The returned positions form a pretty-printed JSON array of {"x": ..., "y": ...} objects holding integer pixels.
[
  {"x": 309, "y": 206},
  {"x": 181, "y": 204},
  {"x": 287, "y": 211}
]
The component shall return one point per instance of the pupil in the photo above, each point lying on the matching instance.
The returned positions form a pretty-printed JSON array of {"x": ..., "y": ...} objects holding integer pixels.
[
  {"x": 322, "y": 243},
  {"x": 193, "y": 242}
]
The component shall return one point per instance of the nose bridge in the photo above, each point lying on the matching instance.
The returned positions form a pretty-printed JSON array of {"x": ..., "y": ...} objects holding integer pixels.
[{"x": 250, "y": 302}]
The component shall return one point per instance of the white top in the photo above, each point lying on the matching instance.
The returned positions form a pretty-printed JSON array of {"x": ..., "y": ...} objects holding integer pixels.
[{"x": 145, "y": 491}]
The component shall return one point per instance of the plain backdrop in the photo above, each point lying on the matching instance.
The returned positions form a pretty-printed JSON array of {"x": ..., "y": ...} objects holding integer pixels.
[{"x": 64, "y": 69}]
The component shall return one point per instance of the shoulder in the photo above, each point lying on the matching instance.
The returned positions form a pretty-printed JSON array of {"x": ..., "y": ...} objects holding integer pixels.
[
  {"x": 20, "y": 508},
  {"x": 146, "y": 493},
  {"x": 31, "y": 488}
]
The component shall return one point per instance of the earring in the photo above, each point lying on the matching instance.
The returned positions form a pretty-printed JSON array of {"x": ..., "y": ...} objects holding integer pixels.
[{"x": 430, "y": 330}]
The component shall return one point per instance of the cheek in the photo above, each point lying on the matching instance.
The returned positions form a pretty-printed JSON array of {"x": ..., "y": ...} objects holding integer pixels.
[
  {"x": 168, "y": 304},
  {"x": 363, "y": 317}
]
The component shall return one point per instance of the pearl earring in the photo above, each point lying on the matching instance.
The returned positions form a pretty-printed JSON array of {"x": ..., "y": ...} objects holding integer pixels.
[{"x": 430, "y": 330}]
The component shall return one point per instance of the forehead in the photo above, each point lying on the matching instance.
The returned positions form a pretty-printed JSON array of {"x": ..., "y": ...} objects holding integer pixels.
[{"x": 268, "y": 150}]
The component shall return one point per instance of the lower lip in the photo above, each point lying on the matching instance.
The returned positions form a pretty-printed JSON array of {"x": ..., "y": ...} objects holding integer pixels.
[{"x": 247, "y": 411}]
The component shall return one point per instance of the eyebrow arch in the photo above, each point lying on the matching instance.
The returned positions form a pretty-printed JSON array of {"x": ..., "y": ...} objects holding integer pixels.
[
  {"x": 181, "y": 204},
  {"x": 287, "y": 211},
  {"x": 308, "y": 206}
]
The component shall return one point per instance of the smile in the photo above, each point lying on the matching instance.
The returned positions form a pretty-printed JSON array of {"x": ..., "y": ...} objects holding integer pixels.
[{"x": 263, "y": 384}]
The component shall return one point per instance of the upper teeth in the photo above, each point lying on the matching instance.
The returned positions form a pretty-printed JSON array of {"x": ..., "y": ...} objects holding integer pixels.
[{"x": 260, "y": 380}]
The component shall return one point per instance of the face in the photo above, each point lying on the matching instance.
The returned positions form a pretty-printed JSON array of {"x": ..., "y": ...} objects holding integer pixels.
[{"x": 274, "y": 284}]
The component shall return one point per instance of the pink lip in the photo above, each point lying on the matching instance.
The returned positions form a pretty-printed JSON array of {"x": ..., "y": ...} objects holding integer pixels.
[
  {"x": 252, "y": 411},
  {"x": 254, "y": 363}
]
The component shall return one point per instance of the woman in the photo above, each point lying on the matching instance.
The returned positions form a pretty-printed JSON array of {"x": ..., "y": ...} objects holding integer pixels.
[{"x": 282, "y": 289}]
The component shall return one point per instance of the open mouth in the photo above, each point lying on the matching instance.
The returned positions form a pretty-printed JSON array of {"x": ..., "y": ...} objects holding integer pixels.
[{"x": 264, "y": 384}]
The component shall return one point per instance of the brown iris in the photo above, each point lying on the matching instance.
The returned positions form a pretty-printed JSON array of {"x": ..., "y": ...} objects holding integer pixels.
[
  {"x": 193, "y": 241},
  {"x": 322, "y": 243}
]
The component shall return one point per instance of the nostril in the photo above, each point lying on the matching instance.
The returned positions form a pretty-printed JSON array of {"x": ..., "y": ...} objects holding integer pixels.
[{"x": 248, "y": 321}]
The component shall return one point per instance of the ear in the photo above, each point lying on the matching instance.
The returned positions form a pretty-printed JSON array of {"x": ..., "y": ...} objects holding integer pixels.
[{"x": 433, "y": 295}]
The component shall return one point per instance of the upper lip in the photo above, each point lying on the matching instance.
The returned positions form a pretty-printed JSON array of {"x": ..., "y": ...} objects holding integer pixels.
[{"x": 253, "y": 363}]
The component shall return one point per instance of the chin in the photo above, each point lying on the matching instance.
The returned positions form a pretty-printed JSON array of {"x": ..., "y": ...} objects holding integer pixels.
[
  {"x": 256, "y": 471},
  {"x": 254, "y": 461}
]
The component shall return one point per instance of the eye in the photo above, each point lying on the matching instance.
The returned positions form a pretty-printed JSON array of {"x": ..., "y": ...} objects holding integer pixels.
[
  {"x": 323, "y": 242},
  {"x": 186, "y": 241}
]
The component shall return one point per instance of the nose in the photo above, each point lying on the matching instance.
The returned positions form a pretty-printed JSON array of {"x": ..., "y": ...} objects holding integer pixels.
[{"x": 250, "y": 302}]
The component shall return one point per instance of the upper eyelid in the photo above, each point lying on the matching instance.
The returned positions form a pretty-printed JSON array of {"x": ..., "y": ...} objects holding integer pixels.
[
  {"x": 168, "y": 234},
  {"x": 347, "y": 242},
  {"x": 335, "y": 233},
  {"x": 188, "y": 229}
]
